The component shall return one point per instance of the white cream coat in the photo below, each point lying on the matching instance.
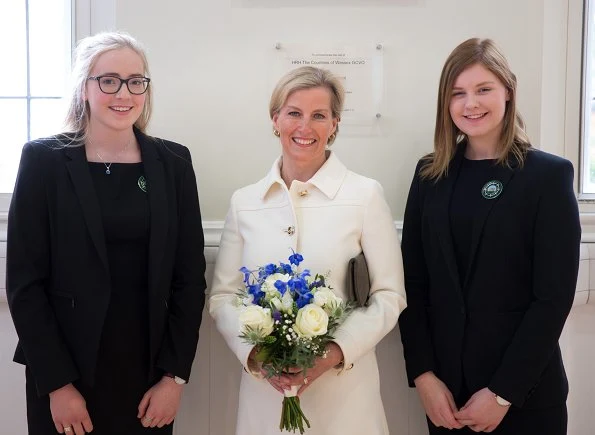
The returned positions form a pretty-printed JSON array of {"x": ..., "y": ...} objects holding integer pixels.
[{"x": 333, "y": 216}]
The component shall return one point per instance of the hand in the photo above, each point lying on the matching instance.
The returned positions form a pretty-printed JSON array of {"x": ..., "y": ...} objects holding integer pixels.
[
  {"x": 481, "y": 412},
  {"x": 282, "y": 382},
  {"x": 437, "y": 401},
  {"x": 160, "y": 403},
  {"x": 333, "y": 357},
  {"x": 304, "y": 378},
  {"x": 69, "y": 411}
]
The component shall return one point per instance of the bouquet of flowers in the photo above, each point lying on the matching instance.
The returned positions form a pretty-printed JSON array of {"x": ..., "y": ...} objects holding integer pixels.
[{"x": 289, "y": 315}]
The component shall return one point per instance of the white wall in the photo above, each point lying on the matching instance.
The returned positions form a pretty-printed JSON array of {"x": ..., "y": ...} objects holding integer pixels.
[
  {"x": 210, "y": 399},
  {"x": 212, "y": 74}
]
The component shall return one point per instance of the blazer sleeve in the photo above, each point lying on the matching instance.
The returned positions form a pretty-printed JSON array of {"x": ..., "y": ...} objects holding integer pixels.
[
  {"x": 28, "y": 274},
  {"x": 556, "y": 249},
  {"x": 366, "y": 326},
  {"x": 227, "y": 280},
  {"x": 188, "y": 282},
  {"x": 415, "y": 333}
]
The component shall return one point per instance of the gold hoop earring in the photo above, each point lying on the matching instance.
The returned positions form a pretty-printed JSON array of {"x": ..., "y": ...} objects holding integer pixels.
[{"x": 276, "y": 132}]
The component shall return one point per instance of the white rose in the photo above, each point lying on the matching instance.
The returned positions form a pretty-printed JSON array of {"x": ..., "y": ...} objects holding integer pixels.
[
  {"x": 324, "y": 296},
  {"x": 257, "y": 318},
  {"x": 268, "y": 286},
  {"x": 311, "y": 320}
]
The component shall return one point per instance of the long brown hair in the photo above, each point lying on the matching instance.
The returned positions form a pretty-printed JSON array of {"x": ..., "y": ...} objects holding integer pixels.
[{"x": 513, "y": 138}]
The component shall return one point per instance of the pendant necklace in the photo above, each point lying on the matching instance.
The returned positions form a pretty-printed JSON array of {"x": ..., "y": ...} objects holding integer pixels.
[{"x": 118, "y": 154}]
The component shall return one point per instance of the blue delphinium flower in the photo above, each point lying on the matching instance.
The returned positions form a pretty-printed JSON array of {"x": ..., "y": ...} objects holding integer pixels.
[
  {"x": 255, "y": 291},
  {"x": 281, "y": 286},
  {"x": 267, "y": 270},
  {"x": 305, "y": 273},
  {"x": 246, "y": 273},
  {"x": 298, "y": 285},
  {"x": 296, "y": 259},
  {"x": 304, "y": 299},
  {"x": 285, "y": 268}
]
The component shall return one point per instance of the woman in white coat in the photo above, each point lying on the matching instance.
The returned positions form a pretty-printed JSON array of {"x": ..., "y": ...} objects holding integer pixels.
[{"x": 311, "y": 203}]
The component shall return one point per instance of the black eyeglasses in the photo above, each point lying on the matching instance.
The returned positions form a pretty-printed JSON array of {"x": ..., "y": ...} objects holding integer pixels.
[{"x": 112, "y": 85}]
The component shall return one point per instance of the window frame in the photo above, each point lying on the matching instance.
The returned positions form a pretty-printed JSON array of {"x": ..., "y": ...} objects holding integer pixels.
[
  {"x": 87, "y": 17},
  {"x": 563, "y": 92},
  {"x": 585, "y": 76},
  {"x": 586, "y": 199}
]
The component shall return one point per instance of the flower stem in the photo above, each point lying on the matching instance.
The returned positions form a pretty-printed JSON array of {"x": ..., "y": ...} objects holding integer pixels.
[{"x": 292, "y": 416}]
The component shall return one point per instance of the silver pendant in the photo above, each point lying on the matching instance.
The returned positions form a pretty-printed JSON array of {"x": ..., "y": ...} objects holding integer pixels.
[{"x": 107, "y": 171}]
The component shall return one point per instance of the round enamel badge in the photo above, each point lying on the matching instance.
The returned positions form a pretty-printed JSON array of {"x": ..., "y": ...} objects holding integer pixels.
[{"x": 492, "y": 189}]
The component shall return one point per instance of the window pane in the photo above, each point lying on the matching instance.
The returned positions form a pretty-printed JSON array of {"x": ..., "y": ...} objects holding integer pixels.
[
  {"x": 14, "y": 114},
  {"x": 47, "y": 117},
  {"x": 588, "y": 152},
  {"x": 589, "y": 176},
  {"x": 13, "y": 49},
  {"x": 49, "y": 45}
]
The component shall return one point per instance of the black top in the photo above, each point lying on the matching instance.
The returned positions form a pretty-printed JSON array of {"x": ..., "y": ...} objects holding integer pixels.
[
  {"x": 125, "y": 216},
  {"x": 464, "y": 206},
  {"x": 123, "y": 361}
]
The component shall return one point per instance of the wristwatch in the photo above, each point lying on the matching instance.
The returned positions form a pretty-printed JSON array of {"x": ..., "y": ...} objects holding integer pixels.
[
  {"x": 501, "y": 401},
  {"x": 176, "y": 379}
]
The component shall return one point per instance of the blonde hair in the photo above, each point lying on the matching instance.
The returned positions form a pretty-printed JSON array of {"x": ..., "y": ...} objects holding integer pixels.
[
  {"x": 513, "y": 138},
  {"x": 87, "y": 52},
  {"x": 308, "y": 77}
]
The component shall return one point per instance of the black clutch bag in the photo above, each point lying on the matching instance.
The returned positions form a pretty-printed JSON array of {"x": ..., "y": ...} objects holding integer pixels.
[{"x": 358, "y": 280}]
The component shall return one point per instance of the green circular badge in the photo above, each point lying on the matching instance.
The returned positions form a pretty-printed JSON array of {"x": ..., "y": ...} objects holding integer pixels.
[
  {"x": 142, "y": 183},
  {"x": 492, "y": 189}
]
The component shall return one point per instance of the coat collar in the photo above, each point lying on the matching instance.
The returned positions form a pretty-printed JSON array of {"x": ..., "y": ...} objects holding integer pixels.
[
  {"x": 85, "y": 190},
  {"x": 158, "y": 205},
  {"x": 327, "y": 179}
]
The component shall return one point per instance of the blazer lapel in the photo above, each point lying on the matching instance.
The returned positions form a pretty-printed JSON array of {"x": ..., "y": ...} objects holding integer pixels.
[
  {"x": 85, "y": 191},
  {"x": 158, "y": 206},
  {"x": 444, "y": 189},
  {"x": 504, "y": 175}
]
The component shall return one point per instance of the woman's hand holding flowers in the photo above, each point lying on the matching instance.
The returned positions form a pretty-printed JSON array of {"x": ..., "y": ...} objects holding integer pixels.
[{"x": 304, "y": 378}]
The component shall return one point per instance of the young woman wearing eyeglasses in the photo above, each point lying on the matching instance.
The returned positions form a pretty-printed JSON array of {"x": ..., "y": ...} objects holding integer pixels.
[{"x": 105, "y": 264}]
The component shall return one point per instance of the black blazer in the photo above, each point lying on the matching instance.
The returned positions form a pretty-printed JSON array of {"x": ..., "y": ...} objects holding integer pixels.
[
  {"x": 58, "y": 279},
  {"x": 519, "y": 286}
]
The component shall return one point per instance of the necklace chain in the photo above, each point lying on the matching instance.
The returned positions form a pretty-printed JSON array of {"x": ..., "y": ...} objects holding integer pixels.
[{"x": 118, "y": 154}]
